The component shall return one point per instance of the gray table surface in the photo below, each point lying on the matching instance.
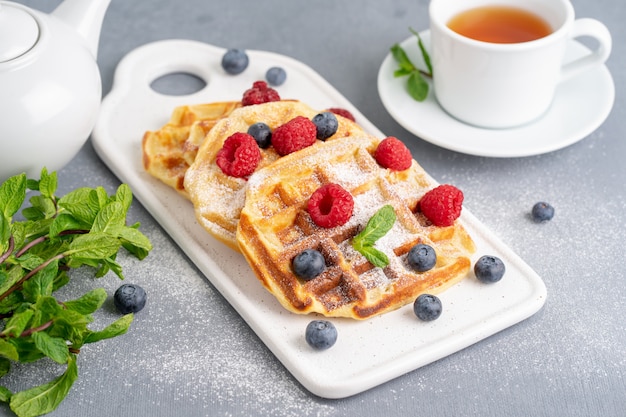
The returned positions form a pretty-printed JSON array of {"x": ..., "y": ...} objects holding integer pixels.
[{"x": 189, "y": 353}]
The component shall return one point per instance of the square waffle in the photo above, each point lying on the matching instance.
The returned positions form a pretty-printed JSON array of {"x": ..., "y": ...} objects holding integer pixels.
[{"x": 274, "y": 226}]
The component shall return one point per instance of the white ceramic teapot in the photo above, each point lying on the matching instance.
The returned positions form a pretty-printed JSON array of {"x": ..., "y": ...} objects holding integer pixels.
[{"x": 50, "y": 87}]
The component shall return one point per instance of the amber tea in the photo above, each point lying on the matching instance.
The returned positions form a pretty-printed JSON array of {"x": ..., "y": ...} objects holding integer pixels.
[{"x": 500, "y": 24}]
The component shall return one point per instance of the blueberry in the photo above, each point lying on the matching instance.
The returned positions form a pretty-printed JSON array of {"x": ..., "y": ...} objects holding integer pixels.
[
  {"x": 261, "y": 133},
  {"x": 235, "y": 61},
  {"x": 489, "y": 269},
  {"x": 427, "y": 307},
  {"x": 542, "y": 212},
  {"x": 129, "y": 298},
  {"x": 276, "y": 76},
  {"x": 421, "y": 257},
  {"x": 326, "y": 124},
  {"x": 321, "y": 334},
  {"x": 308, "y": 264}
]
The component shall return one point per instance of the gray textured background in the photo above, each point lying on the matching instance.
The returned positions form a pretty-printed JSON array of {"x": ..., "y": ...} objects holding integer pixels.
[{"x": 188, "y": 352}]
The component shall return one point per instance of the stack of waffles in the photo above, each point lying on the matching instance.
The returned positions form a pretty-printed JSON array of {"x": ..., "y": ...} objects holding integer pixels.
[{"x": 265, "y": 216}]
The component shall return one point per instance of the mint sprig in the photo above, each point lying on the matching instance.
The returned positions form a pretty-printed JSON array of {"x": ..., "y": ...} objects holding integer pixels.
[
  {"x": 86, "y": 227},
  {"x": 378, "y": 225},
  {"x": 416, "y": 85}
]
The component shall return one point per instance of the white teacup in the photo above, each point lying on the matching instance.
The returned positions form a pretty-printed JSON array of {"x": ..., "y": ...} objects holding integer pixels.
[{"x": 502, "y": 85}]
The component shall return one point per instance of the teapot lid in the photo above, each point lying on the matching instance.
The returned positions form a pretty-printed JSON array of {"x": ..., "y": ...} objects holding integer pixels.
[{"x": 18, "y": 32}]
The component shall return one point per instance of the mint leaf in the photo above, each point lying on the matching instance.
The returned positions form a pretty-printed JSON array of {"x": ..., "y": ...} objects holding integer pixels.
[
  {"x": 416, "y": 85},
  {"x": 45, "y": 398},
  {"x": 12, "y": 195},
  {"x": 88, "y": 303},
  {"x": 117, "y": 328},
  {"x": 53, "y": 347},
  {"x": 378, "y": 225}
]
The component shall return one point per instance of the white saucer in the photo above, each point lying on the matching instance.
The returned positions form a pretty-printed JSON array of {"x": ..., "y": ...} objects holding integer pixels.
[{"x": 580, "y": 106}]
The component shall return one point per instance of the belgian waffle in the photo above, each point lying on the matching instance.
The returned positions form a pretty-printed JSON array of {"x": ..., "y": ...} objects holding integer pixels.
[
  {"x": 168, "y": 152},
  {"x": 274, "y": 226},
  {"x": 219, "y": 198}
]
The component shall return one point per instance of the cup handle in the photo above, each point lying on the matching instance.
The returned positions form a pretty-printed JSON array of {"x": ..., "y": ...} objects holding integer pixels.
[{"x": 596, "y": 30}]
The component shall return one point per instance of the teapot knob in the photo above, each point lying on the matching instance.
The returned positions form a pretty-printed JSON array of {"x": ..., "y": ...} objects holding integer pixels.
[{"x": 19, "y": 32}]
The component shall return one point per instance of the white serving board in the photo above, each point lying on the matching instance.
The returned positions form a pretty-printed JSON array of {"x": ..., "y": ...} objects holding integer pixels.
[{"x": 367, "y": 353}]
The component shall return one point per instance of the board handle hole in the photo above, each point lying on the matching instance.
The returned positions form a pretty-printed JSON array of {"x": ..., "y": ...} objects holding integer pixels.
[{"x": 178, "y": 84}]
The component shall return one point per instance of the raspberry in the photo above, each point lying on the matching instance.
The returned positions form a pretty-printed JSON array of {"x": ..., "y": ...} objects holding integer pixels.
[
  {"x": 296, "y": 134},
  {"x": 239, "y": 155},
  {"x": 259, "y": 93},
  {"x": 342, "y": 112},
  {"x": 393, "y": 154},
  {"x": 442, "y": 205},
  {"x": 330, "y": 206}
]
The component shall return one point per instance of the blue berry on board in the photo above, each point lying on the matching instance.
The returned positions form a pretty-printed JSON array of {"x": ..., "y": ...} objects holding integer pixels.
[
  {"x": 427, "y": 307},
  {"x": 261, "y": 133},
  {"x": 276, "y": 76},
  {"x": 326, "y": 124},
  {"x": 235, "y": 61},
  {"x": 542, "y": 212},
  {"x": 321, "y": 334},
  {"x": 308, "y": 264},
  {"x": 489, "y": 269},
  {"x": 421, "y": 257},
  {"x": 129, "y": 298}
]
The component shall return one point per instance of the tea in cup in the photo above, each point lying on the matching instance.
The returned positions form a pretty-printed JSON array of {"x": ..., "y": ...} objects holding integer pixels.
[{"x": 497, "y": 63}]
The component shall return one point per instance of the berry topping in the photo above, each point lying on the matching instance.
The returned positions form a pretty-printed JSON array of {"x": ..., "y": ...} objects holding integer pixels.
[
  {"x": 326, "y": 124},
  {"x": 427, "y": 307},
  {"x": 489, "y": 269},
  {"x": 442, "y": 205},
  {"x": 342, "y": 112},
  {"x": 259, "y": 93},
  {"x": 308, "y": 264},
  {"x": 235, "y": 61},
  {"x": 296, "y": 134},
  {"x": 320, "y": 334},
  {"x": 276, "y": 76},
  {"x": 422, "y": 257},
  {"x": 393, "y": 154},
  {"x": 261, "y": 133},
  {"x": 239, "y": 156},
  {"x": 542, "y": 212},
  {"x": 129, "y": 298},
  {"x": 330, "y": 206}
]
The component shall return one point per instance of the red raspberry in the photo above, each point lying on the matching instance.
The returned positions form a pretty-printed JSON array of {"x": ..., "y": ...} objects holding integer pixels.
[
  {"x": 442, "y": 205},
  {"x": 330, "y": 206},
  {"x": 393, "y": 154},
  {"x": 296, "y": 134},
  {"x": 259, "y": 93},
  {"x": 239, "y": 155},
  {"x": 342, "y": 112}
]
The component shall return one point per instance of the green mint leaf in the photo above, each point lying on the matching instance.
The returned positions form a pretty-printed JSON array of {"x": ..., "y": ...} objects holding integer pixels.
[
  {"x": 95, "y": 245},
  {"x": 76, "y": 204},
  {"x": 378, "y": 225},
  {"x": 401, "y": 72},
  {"x": 5, "y": 394},
  {"x": 16, "y": 324},
  {"x": 417, "y": 87},
  {"x": 48, "y": 183},
  {"x": 124, "y": 196},
  {"x": 53, "y": 347},
  {"x": 111, "y": 216},
  {"x": 63, "y": 222},
  {"x": 88, "y": 303},
  {"x": 376, "y": 257},
  {"x": 8, "y": 351},
  {"x": 12, "y": 194},
  {"x": 402, "y": 58},
  {"x": 45, "y": 398},
  {"x": 41, "y": 284},
  {"x": 425, "y": 55},
  {"x": 117, "y": 328}
]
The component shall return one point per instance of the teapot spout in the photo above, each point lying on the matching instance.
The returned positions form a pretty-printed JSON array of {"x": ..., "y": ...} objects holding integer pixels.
[{"x": 86, "y": 17}]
